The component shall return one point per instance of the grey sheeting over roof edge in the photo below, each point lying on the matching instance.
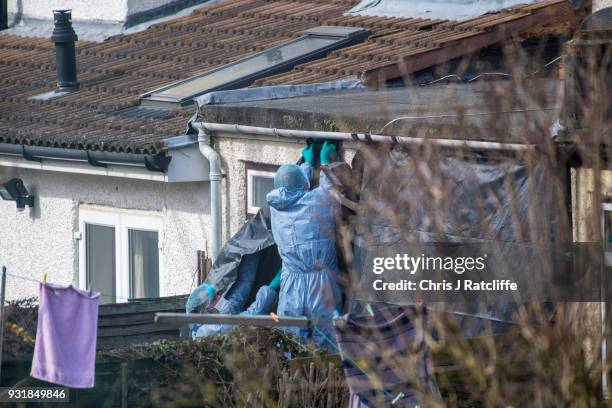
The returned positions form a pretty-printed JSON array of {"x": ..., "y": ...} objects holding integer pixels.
[
  {"x": 458, "y": 10},
  {"x": 481, "y": 110},
  {"x": 265, "y": 93}
]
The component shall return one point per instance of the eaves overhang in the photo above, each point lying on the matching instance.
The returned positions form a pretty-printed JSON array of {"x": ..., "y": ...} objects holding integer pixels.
[
  {"x": 87, "y": 162},
  {"x": 154, "y": 163}
]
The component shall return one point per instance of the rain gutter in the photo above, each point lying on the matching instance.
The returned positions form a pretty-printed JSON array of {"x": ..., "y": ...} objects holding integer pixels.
[
  {"x": 363, "y": 137},
  {"x": 154, "y": 163}
]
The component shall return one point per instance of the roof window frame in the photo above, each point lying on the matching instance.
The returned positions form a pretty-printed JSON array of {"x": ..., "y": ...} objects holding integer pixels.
[{"x": 345, "y": 36}]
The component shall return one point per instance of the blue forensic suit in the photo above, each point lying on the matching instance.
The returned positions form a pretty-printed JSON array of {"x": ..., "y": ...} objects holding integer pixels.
[
  {"x": 303, "y": 225},
  {"x": 264, "y": 303}
]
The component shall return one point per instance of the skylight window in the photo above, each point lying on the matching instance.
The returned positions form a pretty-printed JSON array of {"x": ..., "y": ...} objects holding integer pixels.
[{"x": 314, "y": 44}]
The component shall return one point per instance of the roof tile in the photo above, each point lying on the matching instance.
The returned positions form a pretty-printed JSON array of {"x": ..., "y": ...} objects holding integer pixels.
[{"x": 116, "y": 72}]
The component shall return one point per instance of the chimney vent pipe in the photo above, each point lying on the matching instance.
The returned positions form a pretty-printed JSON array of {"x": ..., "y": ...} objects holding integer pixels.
[
  {"x": 64, "y": 38},
  {"x": 3, "y": 15}
]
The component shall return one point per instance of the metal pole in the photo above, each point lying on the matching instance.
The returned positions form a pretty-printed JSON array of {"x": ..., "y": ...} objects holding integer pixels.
[
  {"x": 2, "y": 294},
  {"x": 180, "y": 319},
  {"x": 124, "y": 385}
]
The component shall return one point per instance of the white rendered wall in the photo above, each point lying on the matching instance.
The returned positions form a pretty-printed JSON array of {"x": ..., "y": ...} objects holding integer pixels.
[
  {"x": 84, "y": 10},
  {"x": 599, "y": 4},
  {"x": 42, "y": 240},
  {"x": 236, "y": 150},
  {"x": 32, "y": 243}
]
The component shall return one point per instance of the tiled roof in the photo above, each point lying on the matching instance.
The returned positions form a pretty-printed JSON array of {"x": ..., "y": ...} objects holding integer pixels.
[
  {"x": 114, "y": 73},
  {"x": 400, "y": 47}
]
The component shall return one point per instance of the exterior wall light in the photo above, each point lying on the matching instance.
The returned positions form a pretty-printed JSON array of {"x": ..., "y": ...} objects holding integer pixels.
[{"x": 14, "y": 190}]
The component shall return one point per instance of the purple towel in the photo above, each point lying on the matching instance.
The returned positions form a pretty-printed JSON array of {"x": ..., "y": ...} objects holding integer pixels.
[{"x": 65, "y": 350}]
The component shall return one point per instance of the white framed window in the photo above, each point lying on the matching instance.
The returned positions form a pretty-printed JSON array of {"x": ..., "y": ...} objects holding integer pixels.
[
  {"x": 119, "y": 253},
  {"x": 259, "y": 182}
]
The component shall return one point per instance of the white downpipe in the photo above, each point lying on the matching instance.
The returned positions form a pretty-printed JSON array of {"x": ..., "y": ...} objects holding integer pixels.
[
  {"x": 215, "y": 188},
  {"x": 308, "y": 134}
]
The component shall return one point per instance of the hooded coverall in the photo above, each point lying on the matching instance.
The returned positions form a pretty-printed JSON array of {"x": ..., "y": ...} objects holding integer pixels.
[{"x": 303, "y": 226}]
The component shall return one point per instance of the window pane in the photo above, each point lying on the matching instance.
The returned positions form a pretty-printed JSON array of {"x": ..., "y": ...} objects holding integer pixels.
[
  {"x": 261, "y": 187},
  {"x": 100, "y": 260},
  {"x": 144, "y": 264}
]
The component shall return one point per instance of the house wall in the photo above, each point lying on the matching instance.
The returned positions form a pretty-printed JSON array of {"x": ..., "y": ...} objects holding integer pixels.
[
  {"x": 113, "y": 10},
  {"x": 587, "y": 195},
  {"x": 237, "y": 149},
  {"x": 41, "y": 240},
  {"x": 599, "y": 4},
  {"x": 234, "y": 152},
  {"x": 588, "y": 192}
]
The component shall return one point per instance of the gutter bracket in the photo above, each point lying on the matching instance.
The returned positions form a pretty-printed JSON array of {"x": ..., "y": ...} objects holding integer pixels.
[
  {"x": 94, "y": 162},
  {"x": 28, "y": 156}
]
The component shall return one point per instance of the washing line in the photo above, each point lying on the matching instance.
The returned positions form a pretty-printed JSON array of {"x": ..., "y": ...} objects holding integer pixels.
[{"x": 25, "y": 278}]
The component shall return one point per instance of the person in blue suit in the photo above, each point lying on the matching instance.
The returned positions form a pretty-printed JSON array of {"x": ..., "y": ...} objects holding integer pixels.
[
  {"x": 304, "y": 229},
  {"x": 265, "y": 302}
]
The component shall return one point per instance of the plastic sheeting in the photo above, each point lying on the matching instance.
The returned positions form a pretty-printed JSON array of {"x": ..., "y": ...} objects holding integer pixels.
[
  {"x": 434, "y": 9},
  {"x": 367, "y": 342},
  {"x": 415, "y": 198},
  {"x": 303, "y": 225},
  {"x": 253, "y": 238},
  {"x": 278, "y": 92}
]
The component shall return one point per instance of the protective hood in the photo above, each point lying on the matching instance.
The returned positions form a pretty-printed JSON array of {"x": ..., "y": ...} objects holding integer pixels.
[{"x": 282, "y": 198}]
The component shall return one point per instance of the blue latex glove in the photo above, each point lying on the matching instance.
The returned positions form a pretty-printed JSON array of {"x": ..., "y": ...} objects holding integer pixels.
[
  {"x": 308, "y": 154},
  {"x": 203, "y": 293},
  {"x": 327, "y": 152},
  {"x": 275, "y": 283}
]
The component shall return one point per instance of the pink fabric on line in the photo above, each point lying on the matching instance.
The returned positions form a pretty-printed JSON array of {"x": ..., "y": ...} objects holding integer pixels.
[{"x": 65, "y": 350}]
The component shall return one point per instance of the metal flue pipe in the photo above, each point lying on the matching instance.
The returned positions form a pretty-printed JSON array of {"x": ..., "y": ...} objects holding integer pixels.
[
  {"x": 64, "y": 38},
  {"x": 3, "y": 15}
]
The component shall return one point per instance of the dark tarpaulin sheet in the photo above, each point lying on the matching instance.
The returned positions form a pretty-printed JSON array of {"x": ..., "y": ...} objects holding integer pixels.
[
  {"x": 254, "y": 237},
  {"x": 411, "y": 196}
]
